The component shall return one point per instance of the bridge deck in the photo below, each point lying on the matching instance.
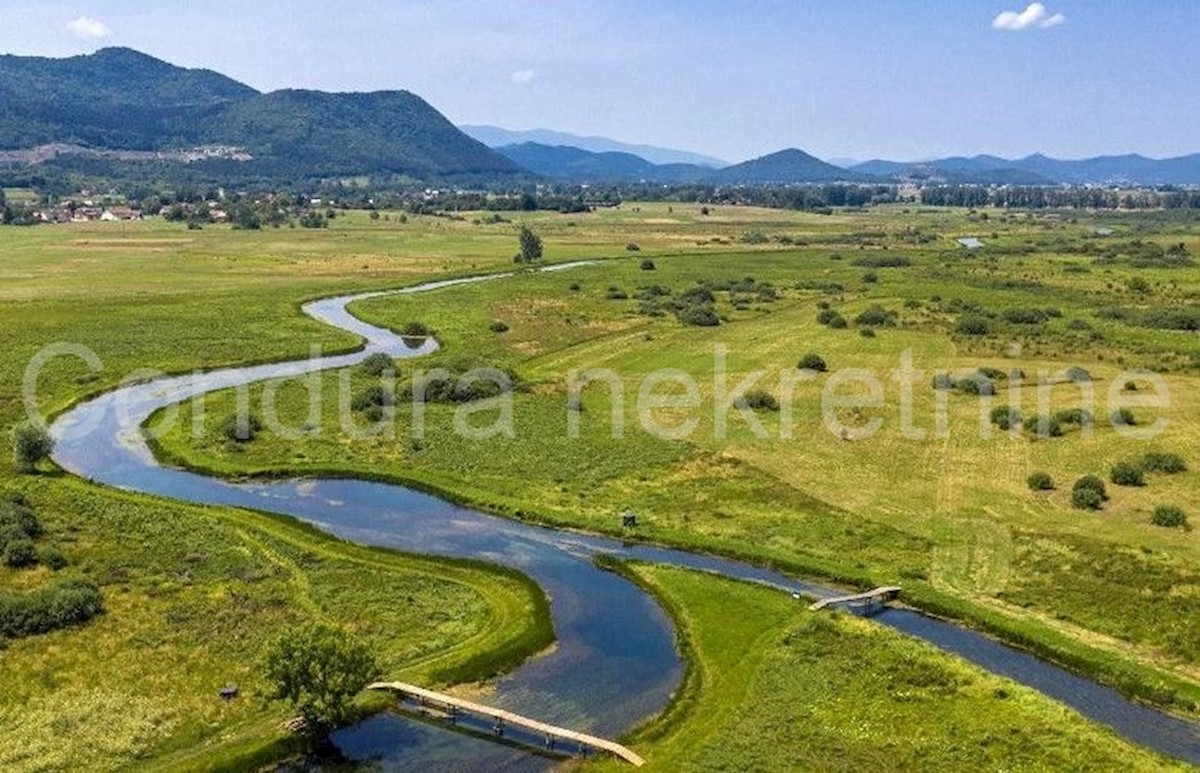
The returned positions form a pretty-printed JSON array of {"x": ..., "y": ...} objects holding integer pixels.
[
  {"x": 508, "y": 717},
  {"x": 885, "y": 593}
]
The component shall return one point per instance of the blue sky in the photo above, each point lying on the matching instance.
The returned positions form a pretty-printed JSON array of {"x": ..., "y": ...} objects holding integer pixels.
[{"x": 888, "y": 78}]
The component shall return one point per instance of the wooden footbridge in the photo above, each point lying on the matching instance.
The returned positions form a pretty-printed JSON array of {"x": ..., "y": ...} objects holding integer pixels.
[
  {"x": 872, "y": 600},
  {"x": 500, "y": 719}
]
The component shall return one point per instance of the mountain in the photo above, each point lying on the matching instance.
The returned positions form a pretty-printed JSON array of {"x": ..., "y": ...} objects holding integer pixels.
[
  {"x": 785, "y": 167},
  {"x": 495, "y": 137},
  {"x": 120, "y": 99},
  {"x": 572, "y": 164},
  {"x": 115, "y": 98},
  {"x": 1043, "y": 170}
]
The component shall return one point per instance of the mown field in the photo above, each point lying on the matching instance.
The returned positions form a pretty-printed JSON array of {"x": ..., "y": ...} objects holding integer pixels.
[{"x": 949, "y": 518}]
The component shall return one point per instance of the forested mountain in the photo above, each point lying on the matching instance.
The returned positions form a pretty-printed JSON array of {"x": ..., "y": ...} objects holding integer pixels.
[
  {"x": 119, "y": 99},
  {"x": 783, "y": 167},
  {"x": 1042, "y": 170}
]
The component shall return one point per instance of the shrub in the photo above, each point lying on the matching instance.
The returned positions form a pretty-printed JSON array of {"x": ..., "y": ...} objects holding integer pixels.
[
  {"x": 415, "y": 330},
  {"x": 876, "y": 316},
  {"x": 241, "y": 429},
  {"x": 826, "y": 315},
  {"x": 867, "y": 332},
  {"x": 31, "y": 445},
  {"x": 1127, "y": 474},
  {"x": 1093, "y": 483},
  {"x": 1158, "y": 461},
  {"x": 632, "y": 247},
  {"x": 1025, "y": 316},
  {"x": 53, "y": 558},
  {"x": 377, "y": 364},
  {"x": 574, "y": 287},
  {"x": 973, "y": 326},
  {"x": 1123, "y": 417},
  {"x": 1044, "y": 426},
  {"x": 498, "y": 327},
  {"x": 1078, "y": 416},
  {"x": 1006, "y": 418},
  {"x": 697, "y": 295},
  {"x": 373, "y": 397},
  {"x": 699, "y": 316},
  {"x": 1040, "y": 481},
  {"x": 977, "y": 384},
  {"x": 838, "y": 322},
  {"x": 648, "y": 265},
  {"x": 17, "y": 516},
  {"x": 943, "y": 382},
  {"x": 616, "y": 294},
  {"x": 1087, "y": 499},
  {"x": 870, "y": 277},
  {"x": 883, "y": 261},
  {"x": 1078, "y": 374},
  {"x": 1169, "y": 517},
  {"x": 49, "y": 609},
  {"x": 758, "y": 400},
  {"x": 19, "y": 553},
  {"x": 812, "y": 361}
]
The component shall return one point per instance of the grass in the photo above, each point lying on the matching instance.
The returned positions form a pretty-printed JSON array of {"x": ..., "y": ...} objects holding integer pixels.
[
  {"x": 782, "y": 688},
  {"x": 950, "y": 519}
]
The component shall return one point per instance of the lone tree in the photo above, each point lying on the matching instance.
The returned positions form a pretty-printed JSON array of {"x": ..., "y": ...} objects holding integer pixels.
[
  {"x": 319, "y": 670},
  {"x": 31, "y": 444},
  {"x": 531, "y": 245}
]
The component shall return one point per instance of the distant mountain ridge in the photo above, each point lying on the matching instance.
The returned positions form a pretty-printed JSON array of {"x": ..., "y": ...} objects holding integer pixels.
[
  {"x": 1039, "y": 169},
  {"x": 496, "y": 137},
  {"x": 122, "y": 100}
]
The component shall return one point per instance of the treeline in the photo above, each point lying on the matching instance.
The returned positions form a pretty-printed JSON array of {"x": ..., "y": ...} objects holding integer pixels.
[{"x": 1037, "y": 197}]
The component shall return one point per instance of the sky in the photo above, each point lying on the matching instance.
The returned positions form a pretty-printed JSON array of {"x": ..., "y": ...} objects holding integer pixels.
[{"x": 899, "y": 79}]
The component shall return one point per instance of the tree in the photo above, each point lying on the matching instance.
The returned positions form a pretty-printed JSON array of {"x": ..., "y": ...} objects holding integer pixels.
[
  {"x": 319, "y": 670},
  {"x": 1128, "y": 474},
  {"x": 812, "y": 362},
  {"x": 31, "y": 444},
  {"x": 1169, "y": 517},
  {"x": 531, "y": 245},
  {"x": 1040, "y": 481}
]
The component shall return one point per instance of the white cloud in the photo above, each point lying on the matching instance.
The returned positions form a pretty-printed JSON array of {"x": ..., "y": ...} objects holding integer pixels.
[
  {"x": 87, "y": 28},
  {"x": 523, "y": 76},
  {"x": 1035, "y": 15}
]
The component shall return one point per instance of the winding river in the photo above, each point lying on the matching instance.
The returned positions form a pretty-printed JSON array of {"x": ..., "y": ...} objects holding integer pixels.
[{"x": 615, "y": 662}]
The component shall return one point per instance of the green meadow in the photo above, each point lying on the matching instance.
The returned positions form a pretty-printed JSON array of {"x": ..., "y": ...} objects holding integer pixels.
[{"x": 949, "y": 516}]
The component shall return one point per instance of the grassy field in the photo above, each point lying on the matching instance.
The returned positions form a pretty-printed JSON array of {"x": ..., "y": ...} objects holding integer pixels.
[
  {"x": 192, "y": 594},
  {"x": 779, "y": 688},
  {"x": 949, "y": 518}
]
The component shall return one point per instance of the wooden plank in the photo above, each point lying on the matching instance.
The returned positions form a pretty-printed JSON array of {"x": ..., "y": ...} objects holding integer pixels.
[
  {"x": 500, "y": 715},
  {"x": 886, "y": 592}
]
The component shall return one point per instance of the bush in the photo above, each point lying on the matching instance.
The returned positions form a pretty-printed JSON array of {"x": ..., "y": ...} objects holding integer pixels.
[
  {"x": 31, "y": 445},
  {"x": 1123, "y": 417},
  {"x": 1127, "y": 474},
  {"x": 838, "y": 322},
  {"x": 1006, "y": 418},
  {"x": 826, "y": 315},
  {"x": 373, "y": 397},
  {"x": 647, "y": 264},
  {"x": 1169, "y": 464},
  {"x": 498, "y": 327},
  {"x": 1093, "y": 483},
  {"x": 1169, "y": 517},
  {"x": 574, "y": 287},
  {"x": 697, "y": 295},
  {"x": 632, "y": 247},
  {"x": 883, "y": 261},
  {"x": 377, "y": 364},
  {"x": 415, "y": 330},
  {"x": 1025, "y": 316},
  {"x": 1040, "y": 481},
  {"x": 943, "y": 382},
  {"x": 1086, "y": 499},
  {"x": 49, "y": 609},
  {"x": 20, "y": 553},
  {"x": 16, "y": 516},
  {"x": 812, "y": 362},
  {"x": 699, "y": 316},
  {"x": 870, "y": 277},
  {"x": 1077, "y": 416},
  {"x": 876, "y": 316},
  {"x": 973, "y": 326},
  {"x": 1078, "y": 374},
  {"x": 241, "y": 429},
  {"x": 867, "y": 332},
  {"x": 53, "y": 558},
  {"x": 1044, "y": 426},
  {"x": 615, "y": 293},
  {"x": 758, "y": 400}
]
